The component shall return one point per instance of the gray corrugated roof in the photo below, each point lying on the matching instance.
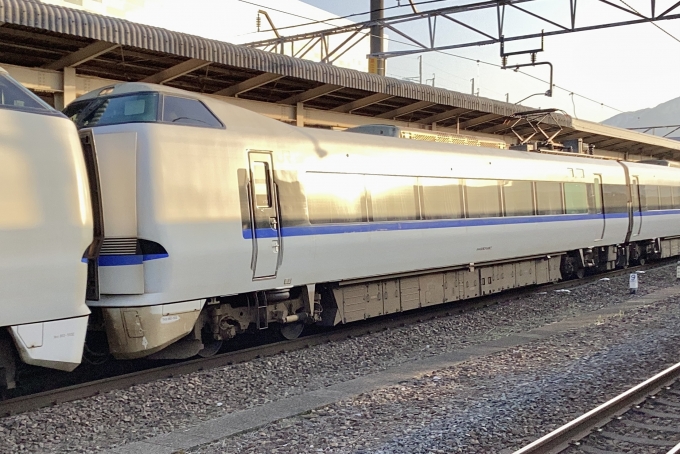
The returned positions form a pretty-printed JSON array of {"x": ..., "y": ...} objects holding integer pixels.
[
  {"x": 93, "y": 26},
  {"x": 169, "y": 48}
]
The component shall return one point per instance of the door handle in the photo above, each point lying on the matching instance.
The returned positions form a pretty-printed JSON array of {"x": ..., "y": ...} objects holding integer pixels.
[{"x": 273, "y": 223}]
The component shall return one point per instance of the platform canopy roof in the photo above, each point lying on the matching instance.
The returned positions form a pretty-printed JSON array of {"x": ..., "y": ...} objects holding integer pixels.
[{"x": 38, "y": 35}]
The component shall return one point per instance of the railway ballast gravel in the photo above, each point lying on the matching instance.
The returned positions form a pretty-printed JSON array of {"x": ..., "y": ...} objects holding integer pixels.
[{"x": 495, "y": 383}]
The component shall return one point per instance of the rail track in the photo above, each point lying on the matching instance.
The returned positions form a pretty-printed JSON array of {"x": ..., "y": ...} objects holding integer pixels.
[
  {"x": 643, "y": 419},
  {"x": 90, "y": 388}
]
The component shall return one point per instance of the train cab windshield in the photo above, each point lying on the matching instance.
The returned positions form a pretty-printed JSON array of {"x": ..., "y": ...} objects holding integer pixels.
[
  {"x": 149, "y": 107},
  {"x": 111, "y": 110},
  {"x": 15, "y": 97}
]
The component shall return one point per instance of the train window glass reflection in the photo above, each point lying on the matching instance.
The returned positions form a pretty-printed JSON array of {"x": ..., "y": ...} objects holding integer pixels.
[
  {"x": 549, "y": 197},
  {"x": 441, "y": 198},
  {"x": 14, "y": 96},
  {"x": 483, "y": 198},
  {"x": 615, "y": 198},
  {"x": 519, "y": 198},
  {"x": 335, "y": 198},
  {"x": 676, "y": 196},
  {"x": 576, "y": 198},
  {"x": 75, "y": 109},
  {"x": 141, "y": 107},
  {"x": 665, "y": 197},
  {"x": 649, "y": 197},
  {"x": 594, "y": 204},
  {"x": 184, "y": 111},
  {"x": 392, "y": 198},
  {"x": 261, "y": 184}
]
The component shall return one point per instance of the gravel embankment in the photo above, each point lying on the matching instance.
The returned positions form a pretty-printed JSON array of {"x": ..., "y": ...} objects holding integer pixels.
[
  {"x": 147, "y": 410},
  {"x": 490, "y": 405}
]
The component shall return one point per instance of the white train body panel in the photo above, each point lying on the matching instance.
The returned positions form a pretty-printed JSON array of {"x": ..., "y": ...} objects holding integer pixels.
[
  {"x": 45, "y": 228},
  {"x": 191, "y": 198},
  {"x": 660, "y": 221},
  {"x": 190, "y": 205},
  {"x": 57, "y": 344}
]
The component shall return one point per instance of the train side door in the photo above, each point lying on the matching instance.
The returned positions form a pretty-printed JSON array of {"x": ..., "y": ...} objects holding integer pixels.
[
  {"x": 264, "y": 216},
  {"x": 636, "y": 209},
  {"x": 599, "y": 205}
]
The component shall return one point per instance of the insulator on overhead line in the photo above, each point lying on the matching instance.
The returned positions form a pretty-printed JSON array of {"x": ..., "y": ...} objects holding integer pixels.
[{"x": 258, "y": 21}]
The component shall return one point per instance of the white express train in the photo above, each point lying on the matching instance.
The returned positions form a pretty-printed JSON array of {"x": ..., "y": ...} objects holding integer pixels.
[
  {"x": 216, "y": 220},
  {"x": 45, "y": 231}
]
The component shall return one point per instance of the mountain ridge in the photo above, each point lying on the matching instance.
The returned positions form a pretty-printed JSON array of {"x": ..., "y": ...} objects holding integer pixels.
[{"x": 665, "y": 114}]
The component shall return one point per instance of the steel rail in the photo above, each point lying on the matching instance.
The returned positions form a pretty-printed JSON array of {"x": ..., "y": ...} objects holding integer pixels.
[
  {"x": 57, "y": 396},
  {"x": 560, "y": 438}
]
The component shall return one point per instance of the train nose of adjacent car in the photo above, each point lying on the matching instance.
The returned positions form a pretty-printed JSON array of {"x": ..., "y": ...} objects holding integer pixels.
[{"x": 45, "y": 225}]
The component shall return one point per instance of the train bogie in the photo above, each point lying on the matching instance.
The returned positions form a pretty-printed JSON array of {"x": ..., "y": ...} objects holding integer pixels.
[{"x": 135, "y": 332}]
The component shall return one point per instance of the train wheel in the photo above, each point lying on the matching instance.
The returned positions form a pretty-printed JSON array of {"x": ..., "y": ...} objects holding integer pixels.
[
  {"x": 570, "y": 268},
  {"x": 641, "y": 260},
  {"x": 210, "y": 349},
  {"x": 292, "y": 331},
  {"x": 96, "y": 348}
]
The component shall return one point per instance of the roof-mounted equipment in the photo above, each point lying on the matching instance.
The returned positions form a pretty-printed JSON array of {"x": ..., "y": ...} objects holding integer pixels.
[{"x": 429, "y": 136}]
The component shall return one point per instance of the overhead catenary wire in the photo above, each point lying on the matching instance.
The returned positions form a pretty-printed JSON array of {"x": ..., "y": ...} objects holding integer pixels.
[
  {"x": 478, "y": 61},
  {"x": 573, "y": 103},
  {"x": 653, "y": 23},
  {"x": 329, "y": 20}
]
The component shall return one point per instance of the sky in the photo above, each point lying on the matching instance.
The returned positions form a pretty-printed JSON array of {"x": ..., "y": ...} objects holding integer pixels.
[{"x": 618, "y": 69}]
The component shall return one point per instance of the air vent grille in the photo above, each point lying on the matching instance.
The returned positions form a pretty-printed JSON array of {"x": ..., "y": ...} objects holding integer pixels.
[
  {"x": 119, "y": 246},
  {"x": 451, "y": 138}
]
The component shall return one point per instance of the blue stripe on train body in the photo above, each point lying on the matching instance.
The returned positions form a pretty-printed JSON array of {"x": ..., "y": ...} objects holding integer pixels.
[
  {"x": 364, "y": 227},
  {"x": 121, "y": 260}
]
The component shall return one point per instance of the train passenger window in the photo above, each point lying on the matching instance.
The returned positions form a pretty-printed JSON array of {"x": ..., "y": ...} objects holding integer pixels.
[
  {"x": 519, "y": 198},
  {"x": 549, "y": 197},
  {"x": 441, "y": 198},
  {"x": 16, "y": 97},
  {"x": 576, "y": 198},
  {"x": 335, "y": 198},
  {"x": 649, "y": 197},
  {"x": 139, "y": 107},
  {"x": 483, "y": 198},
  {"x": 261, "y": 184},
  {"x": 392, "y": 198},
  {"x": 665, "y": 198},
  {"x": 191, "y": 112},
  {"x": 615, "y": 198},
  {"x": 676, "y": 197}
]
